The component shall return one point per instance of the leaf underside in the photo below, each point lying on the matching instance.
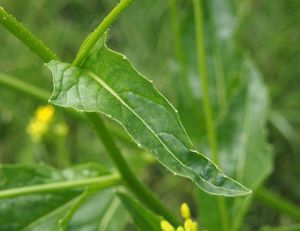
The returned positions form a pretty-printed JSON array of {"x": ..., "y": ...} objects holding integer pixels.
[{"x": 109, "y": 85}]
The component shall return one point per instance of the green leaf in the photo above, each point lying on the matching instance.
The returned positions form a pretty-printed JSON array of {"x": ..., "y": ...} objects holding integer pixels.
[
  {"x": 40, "y": 211},
  {"x": 91, "y": 212},
  {"x": 115, "y": 216},
  {"x": 143, "y": 218},
  {"x": 108, "y": 84}
]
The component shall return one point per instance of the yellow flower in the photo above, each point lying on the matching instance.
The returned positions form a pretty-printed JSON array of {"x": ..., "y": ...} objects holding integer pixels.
[
  {"x": 39, "y": 124},
  {"x": 180, "y": 228},
  {"x": 166, "y": 226},
  {"x": 189, "y": 224},
  {"x": 185, "y": 211},
  {"x": 195, "y": 226},
  {"x": 44, "y": 113}
]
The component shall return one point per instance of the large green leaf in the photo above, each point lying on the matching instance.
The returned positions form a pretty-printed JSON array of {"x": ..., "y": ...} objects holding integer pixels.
[
  {"x": 44, "y": 211},
  {"x": 110, "y": 85},
  {"x": 143, "y": 218}
]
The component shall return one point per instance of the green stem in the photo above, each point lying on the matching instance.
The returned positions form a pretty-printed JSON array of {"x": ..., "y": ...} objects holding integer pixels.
[
  {"x": 278, "y": 203},
  {"x": 75, "y": 206},
  {"x": 101, "y": 182},
  {"x": 91, "y": 40},
  {"x": 201, "y": 56},
  {"x": 174, "y": 18},
  {"x": 140, "y": 190},
  {"x": 210, "y": 126},
  {"x": 18, "y": 30},
  {"x": 22, "y": 86}
]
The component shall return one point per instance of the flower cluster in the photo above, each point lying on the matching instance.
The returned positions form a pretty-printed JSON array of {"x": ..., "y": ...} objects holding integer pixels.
[{"x": 189, "y": 224}]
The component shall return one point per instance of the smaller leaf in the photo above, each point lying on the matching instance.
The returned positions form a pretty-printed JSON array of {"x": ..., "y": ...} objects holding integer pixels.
[
  {"x": 41, "y": 210},
  {"x": 143, "y": 218},
  {"x": 91, "y": 212}
]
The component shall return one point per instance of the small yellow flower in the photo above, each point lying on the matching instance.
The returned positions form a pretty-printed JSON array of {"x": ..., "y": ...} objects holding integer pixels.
[
  {"x": 195, "y": 226},
  {"x": 180, "y": 228},
  {"x": 166, "y": 226},
  {"x": 185, "y": 211},
  {"x": 44, "y": 113},
  {"x": 188, "y": 225},
  {"x": 39, "y": 124}
]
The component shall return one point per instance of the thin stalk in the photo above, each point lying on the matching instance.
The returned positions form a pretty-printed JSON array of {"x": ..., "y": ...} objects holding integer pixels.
[
  {"x": 278, "y": 203},
  {"x": 22, "y": 33},
  {"x": 91, "y": 40},
  {"x": 201, "y": 56},
  {"x": 101, "y": 182},
  {"x": 77, "y": 202},
  {"x": 22, "y": 86},
  {"x": 140, "y": 190},
  {"x": 179, "y": 51},
  {"x": 210, "y": 126},
  {"x": 220, "y": 80}
]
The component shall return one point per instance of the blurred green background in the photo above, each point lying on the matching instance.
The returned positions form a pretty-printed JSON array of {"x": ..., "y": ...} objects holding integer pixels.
[{"x": 266, "y": 31}]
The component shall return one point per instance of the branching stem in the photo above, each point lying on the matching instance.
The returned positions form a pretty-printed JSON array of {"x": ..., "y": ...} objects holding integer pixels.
[
  {"x": 101, "y": 182},
  {"x": 91, "y": 40}
]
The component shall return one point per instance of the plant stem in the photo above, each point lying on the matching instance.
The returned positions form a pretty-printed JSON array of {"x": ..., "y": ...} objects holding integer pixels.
[
  {"x": 27, "y": 88},
  {"x": 140, "y": 190},
  {"x": 278, "y": 203},
  {"x": 101, "y": 182},
  {"x": 22, "y": 33},
  {"x": 91, "y": 40},
  {"x": 210, "y": 126},
  {"x": 179, "y": 51},
  {"x": 77, "y": 202},
  {"x": 201, "y": 56}
]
